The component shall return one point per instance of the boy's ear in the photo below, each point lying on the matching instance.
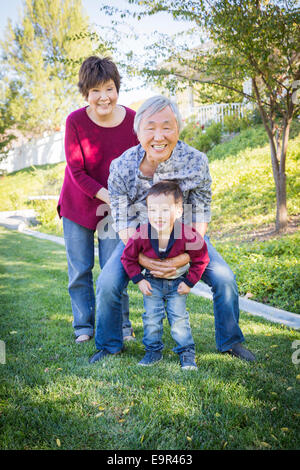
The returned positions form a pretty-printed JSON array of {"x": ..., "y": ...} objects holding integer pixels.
[{"x": 179, "y": 210}]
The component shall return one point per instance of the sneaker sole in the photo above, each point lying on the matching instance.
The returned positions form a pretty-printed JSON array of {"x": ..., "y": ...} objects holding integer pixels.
[
  {"x": 151, "y": 363},
  {"x": 189, "y": 368}
]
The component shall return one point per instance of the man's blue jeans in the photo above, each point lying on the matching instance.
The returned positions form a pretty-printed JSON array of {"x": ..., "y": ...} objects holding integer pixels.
[
  {"x": 113, "y": 279},
  {"x": 79, "y": 243},
  {"x": 165, "y": 298}
]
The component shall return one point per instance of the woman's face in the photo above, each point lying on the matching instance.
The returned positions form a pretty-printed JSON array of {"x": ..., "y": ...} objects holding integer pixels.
[
  {"x": 102, "y": 99},
  {"x": 158, "y": 134}
]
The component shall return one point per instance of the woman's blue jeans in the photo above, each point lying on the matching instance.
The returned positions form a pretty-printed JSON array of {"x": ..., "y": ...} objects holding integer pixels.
[
  {"x": 80, "y": 249},
  {"x": 113, "y": 279},
  {"x": 165, "y": 298}
]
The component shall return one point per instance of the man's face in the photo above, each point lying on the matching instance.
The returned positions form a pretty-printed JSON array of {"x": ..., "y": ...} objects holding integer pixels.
[
  {"x": 158, "y": 135},
  {"x": 163, "y": 211}
]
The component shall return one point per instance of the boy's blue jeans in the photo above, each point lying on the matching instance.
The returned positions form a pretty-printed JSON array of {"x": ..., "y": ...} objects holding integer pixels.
[
  {"x": 166, "y": 298},
  {"x": 79, "y": 243},
  {"x": 113, "y": 279}
]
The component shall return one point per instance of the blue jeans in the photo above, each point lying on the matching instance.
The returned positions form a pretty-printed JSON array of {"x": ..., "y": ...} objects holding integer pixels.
[
  {"x": 79, "y": 243},
  {"x": 113, "y": 279},
  {"x": 166, "y": 298}
]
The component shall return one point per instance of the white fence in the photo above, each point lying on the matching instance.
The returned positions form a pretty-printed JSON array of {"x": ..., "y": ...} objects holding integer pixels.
[
  {"x": 217, "y": 112},
  {"x": 43, "y": 151}
]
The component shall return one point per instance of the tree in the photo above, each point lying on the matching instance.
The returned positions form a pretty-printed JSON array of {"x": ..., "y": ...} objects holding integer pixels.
[
  {"x": 41, "y": 56},
  {"x": 251, "y": 39}
]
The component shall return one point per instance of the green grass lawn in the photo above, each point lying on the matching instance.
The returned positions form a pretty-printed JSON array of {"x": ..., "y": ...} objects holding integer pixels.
[{"x": 52, "y": 398}]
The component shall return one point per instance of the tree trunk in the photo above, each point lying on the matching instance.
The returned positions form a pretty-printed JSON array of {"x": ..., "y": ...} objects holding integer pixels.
[
  {"x": 281, "y": 206},
  {"x": 278, "y": 155}
]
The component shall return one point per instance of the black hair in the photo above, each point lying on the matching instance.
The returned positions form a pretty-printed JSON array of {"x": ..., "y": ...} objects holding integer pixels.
[
  {"x": 95, "y": 70},
  {"x": 166, "y": 187}
]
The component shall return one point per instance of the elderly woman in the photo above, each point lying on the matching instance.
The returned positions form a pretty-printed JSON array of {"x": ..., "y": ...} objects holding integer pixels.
[{"x": 162, "y": 156}]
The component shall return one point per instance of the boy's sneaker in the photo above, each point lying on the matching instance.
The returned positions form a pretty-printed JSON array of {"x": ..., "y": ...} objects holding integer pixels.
[
  {"x": 187, "y": 360},
  {"x": 82, "y": 338},
  {"x": 151, "y": 357},
  {"x": 101, "y": 354},
  {"x": 128, "y": 334}
]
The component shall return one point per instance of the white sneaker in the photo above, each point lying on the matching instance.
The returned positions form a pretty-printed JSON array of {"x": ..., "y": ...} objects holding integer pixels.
[{"x": 82, "y": 338}]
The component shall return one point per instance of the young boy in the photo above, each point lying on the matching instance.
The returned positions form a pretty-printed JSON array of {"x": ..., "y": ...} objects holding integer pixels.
[{"x": 165, "y": 237}]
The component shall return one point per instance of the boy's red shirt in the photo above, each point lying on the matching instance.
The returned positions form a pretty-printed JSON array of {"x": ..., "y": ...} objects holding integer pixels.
[{"x": 183, "y": 239}]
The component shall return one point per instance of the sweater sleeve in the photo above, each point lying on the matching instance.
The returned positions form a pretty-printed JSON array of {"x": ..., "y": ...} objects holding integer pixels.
[
  {"x": 197, "y": 249},
  {"x": 75, "y": 160},
  {"x": 130, "y": 258}
]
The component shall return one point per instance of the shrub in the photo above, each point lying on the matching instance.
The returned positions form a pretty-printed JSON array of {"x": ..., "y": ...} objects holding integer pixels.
[
  {"x": 202, "y": 139},
  {"x": 268, "y": 270},
  {"x": 250, "y": 138},
  {"x": 209, "y": 138},
  {"x": 234, "y": 124},
  {"x": 47, "y": 216},
  {"x": 190, "y": 131}
]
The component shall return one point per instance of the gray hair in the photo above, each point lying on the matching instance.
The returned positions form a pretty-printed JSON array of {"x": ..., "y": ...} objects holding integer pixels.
[{"x": 154, "y": 105}]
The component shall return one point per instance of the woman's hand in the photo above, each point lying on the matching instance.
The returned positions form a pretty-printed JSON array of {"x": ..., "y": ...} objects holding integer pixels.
[
  {"x": 103, "y": 195},
  {"x": 163, "y": 268}
]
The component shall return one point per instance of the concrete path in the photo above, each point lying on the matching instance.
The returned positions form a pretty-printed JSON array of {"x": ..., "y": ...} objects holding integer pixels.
[{"x": 20, "y": 220}]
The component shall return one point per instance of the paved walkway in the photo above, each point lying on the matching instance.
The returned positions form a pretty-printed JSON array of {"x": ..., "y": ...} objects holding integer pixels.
[{"x": 20, "y": 220}]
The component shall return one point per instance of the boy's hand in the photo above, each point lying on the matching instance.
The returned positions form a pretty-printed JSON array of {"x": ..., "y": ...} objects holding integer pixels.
[
  {"x": 145, "y": 287},
  {"x": 183, "y": 288}
]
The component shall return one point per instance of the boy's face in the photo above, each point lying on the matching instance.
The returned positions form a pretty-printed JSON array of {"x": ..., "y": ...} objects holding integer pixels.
[
  {"x": 103, "y": 98},
  {"x": 163, "y": 211}
]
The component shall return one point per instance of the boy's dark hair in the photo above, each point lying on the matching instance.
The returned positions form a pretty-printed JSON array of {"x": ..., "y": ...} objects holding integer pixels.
[
  {"x": 166, "y": 187},
  {"x": 94, "y": 71}
]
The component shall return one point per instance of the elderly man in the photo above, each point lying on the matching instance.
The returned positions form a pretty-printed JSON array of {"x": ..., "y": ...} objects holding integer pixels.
[{"x": 162, "y": 156}]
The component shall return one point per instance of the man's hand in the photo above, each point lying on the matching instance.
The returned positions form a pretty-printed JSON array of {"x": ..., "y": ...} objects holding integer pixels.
[
  {"x": 163, "y": 268},
  {"x": 145, "y": 287},
  {"x": 183, "y": 288}
]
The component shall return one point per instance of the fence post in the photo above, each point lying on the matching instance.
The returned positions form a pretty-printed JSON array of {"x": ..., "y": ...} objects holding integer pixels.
[{"x": 217, "y": 111}]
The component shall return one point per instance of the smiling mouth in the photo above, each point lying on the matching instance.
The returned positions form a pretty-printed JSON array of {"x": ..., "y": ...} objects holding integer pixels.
[{"x": 159, "y": 147}]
